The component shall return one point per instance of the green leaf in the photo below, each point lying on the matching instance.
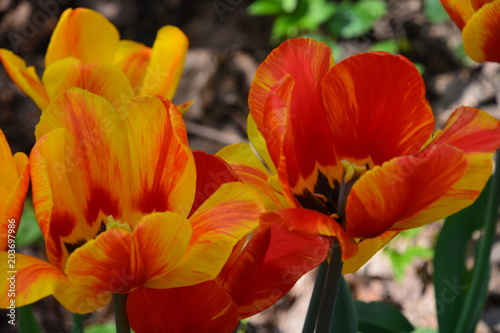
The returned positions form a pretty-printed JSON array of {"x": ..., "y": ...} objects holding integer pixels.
[
  {"x": 461, "y": 294},
  {"x": 289, "y": 5},
  {"x": 29, "y": 231},
  {"x": 101, "y": 328},
  {"x": 26, "y": 320},
  {"x": 355, "y": 19},
  {"x": 390, "y": 46},
  {"x": 425, "y": 330},
  {"x": 265, "y": 7},
  {"x": 345, "y": 316},
  {"x": 435, "y": 12},
  {"x": 379, "y": 317}
]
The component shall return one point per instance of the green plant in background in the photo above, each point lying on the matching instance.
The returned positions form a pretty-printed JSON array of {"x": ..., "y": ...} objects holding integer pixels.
[{"x": 401, "y": 260}]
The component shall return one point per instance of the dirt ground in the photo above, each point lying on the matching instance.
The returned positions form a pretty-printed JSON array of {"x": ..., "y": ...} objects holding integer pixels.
[{"x": 225, "y": 51}]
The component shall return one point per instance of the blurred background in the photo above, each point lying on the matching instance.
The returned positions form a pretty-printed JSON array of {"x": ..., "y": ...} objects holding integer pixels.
[{"x": 228, "y": 40}]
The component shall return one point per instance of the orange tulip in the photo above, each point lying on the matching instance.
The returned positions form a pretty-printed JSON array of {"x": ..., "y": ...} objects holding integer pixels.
[
  {"x": 479, "y": 21},
  {"x": 350, "y": 151},
  {"x": 85, "y": 51},
  {"x": 13, "y": 187},
  {"x": 113, "y": 196}
]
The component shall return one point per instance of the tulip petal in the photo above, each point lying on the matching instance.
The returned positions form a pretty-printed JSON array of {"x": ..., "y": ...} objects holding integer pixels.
[
  {"x": 366, "y": 249},
  {"x": 133, "y": 58},
  {"x": 219, "y": 223},
  {"x": 471, "y": 130},
  {"x": 312, "y": 222},
  {"x": 166, "y": 64},
  {"x": 306, "y": 143},
  {"x": 205, "y": 307},
  {"x": 256, "y": 284},
  {"x": 257, "y": 141},
  {"x": 462, "y": 194},
  {"x": 211, "y": 173},
  {"x": 84, "y": 34},
  {"x": 161, "y": 163},
  {"x": 253, "y": 173},
  {"x": 13, "y": 188},
  {"x": 73, "y": 168},
  {"x": 36, "y": 279},
  {"x": 481, "y": 34},
  {"x": 25, "y": 78},
  {"x": 460, "y": 11},
  {"x": 118, "y": 261},
  {"x": 376, "y": 107},
  {"x": 400, "y": 189},
  {"x": 101, "y": 79}
]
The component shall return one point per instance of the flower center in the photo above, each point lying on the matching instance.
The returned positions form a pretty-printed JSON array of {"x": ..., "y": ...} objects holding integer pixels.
[
  {"x": 330, "y": 196},
  {"x": 114, "y": 224}
]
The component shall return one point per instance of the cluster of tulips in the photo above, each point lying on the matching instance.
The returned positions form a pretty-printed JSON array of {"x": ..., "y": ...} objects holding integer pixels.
[{"x": 340, "y": 159}]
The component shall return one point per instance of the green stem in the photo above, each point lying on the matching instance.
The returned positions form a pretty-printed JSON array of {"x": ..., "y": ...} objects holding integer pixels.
[
  {"x": 330, "y": 289},
  {"x": 76, "y": 323},
  {"x": 27, "y": 320},
  {"x": 482, "y": 262},
  {"x": 312, "y": 311},
  {"x": 121, "y": 319}
]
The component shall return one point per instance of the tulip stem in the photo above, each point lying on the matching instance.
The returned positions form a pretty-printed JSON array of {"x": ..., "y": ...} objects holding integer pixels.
[
  {"x": 121, "y": 319},
  {"x": 76, "y": 323},
  {"x": 312, "y": 311},
  {"x": 330, "y": 289}
]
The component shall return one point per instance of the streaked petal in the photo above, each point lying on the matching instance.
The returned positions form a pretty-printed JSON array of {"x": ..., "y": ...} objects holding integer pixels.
[
  {"x": 462, "y": 194},
  {"x": 257, "y": 283},
  {"x": 118, "y": 261},
  {"x": 205, "y": 307},
  {"x": 166, "y": 64},
  {"x": 376, "y": 107},
  {"x": 162, "y": 166},
  {"x": 257, "y": 141},
  {"x": 77, "y": 170},
  {"x": 312, "y": 222},
  {"x": 401, "y": 188},
  {"x": 306, "y": 142},
  {"x": 220, "y": 222},
  {"x": 471, "y": 130},
  {"x": 13, "y": 188},
  {"x": 481, "y": 38},
  {"x": 102, "y": 79},
  {"x": 366, "y": 249},
  {"x": 252, "y": 172},
  {"x": 84, "y": 34},
  {"x": 481, "y": 34},
  {"x": 36, "y": 279},
  {"x": 460, "y": 11},
  {"x": 133, "y": 58},
  {"x": 25, "y": 78}
]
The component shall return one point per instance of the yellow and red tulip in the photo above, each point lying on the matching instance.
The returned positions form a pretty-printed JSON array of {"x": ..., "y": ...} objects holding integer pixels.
[
  {"x": 113, "y": 197},
  {"x": 258, "y": 274},
  {"x": 13, "y": 187},
  {"x": 85, "y": 51},
  {"x": 351, "y": 151},
  {"x": 479, "y": 21}
]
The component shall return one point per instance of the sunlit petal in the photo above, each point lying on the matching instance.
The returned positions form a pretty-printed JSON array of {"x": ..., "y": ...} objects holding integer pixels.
[{"x": 481, "y": 34}]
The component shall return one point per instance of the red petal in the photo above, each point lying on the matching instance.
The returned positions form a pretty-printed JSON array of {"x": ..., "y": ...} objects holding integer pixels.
[
  {"x": 376, "y": 107},
  {"x": 401, "y": 188},
  {"x": 211, "y": 173},
  {"x": 205, "y": 307}
]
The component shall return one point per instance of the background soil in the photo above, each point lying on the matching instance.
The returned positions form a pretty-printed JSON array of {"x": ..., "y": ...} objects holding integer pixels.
[{"x": 225, "y": 51}]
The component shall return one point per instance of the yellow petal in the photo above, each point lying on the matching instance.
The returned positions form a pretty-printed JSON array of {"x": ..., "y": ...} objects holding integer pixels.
[
  {"x": 105, "y": 80},
  {"x": 25, "y": 78},
  {"x": 167, "y": 62},
  {"x": 84, "y": 34},
  {"x": 35, "y": 279},
  {"x": 133, "y": 58},
  {"x": 482, "y": 34},
  {"x": 218, "y": 224}
]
